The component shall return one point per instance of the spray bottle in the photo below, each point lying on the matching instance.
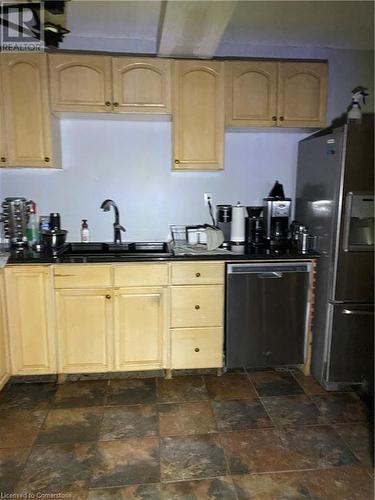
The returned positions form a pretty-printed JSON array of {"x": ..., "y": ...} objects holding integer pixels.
[{"x": 354, "y": 110}]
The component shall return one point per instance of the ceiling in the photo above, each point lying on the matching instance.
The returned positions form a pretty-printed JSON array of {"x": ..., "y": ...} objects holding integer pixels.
[{"x": 198, "y": 27}]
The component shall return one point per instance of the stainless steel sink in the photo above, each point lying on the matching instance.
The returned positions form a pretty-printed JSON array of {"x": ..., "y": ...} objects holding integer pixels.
[{"x": 112, "y": 252}]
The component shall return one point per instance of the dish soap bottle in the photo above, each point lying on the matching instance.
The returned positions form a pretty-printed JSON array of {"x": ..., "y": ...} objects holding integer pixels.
[
  {"x": 85, "y": 232},
  {"x": 32, "y": 232}
]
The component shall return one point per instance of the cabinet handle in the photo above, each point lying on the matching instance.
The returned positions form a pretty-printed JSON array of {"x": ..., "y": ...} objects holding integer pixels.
[
  {"x": 107, "y": 103},
  {"x": 3, "y": 159},
  {"x": 108, "y": 297},
  {"x": 47, "y": 159},
  {"x": 274, "y": 118},
  {"x": 198, "y": 275},
  {"x": 177, "y": 162},
  {"x": 196, "y": 349},
  {"x": 197, "y": 307},
  {"x": 281, "y": 118},
  {"x": 115, "y": 104}
]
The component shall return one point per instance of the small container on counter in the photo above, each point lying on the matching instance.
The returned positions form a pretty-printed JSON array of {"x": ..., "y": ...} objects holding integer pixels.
[
  {"x": 54, "y": 221},
  {"x": 43, "y": 223},
  {"x": 85, "y": 232}
]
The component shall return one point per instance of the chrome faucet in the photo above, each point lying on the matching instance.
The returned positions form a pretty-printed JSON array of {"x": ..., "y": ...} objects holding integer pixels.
[{"x": 117, "y": 228}]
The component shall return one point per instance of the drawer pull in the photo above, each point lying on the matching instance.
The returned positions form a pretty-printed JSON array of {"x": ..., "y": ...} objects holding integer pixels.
[
  {"x": 197, "y": 307},
  {"x": 196, "y": 349},
  {"x": 108, "y": 296},
  {"x": 198, "y": 275}
]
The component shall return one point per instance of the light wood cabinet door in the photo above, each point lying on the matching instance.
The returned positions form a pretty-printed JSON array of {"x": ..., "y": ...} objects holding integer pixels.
[
  {"x": 141, "y": 85},
  {"x": 4, "y": 354},
  {"x": 250, "y": 93},
  {"x": 140, "y": 328},
  {"x": 197, "y": 306},
  {"x": 302, "y": 94},
  {"x": 26, "y": 109},
  {"x": 80, "y": 82},
  {"x": 198, "y": 115},
  {"x": 196, "y": 348},
  {"x": 30, "y": 318},
  {"x": 85, "y": 330}
]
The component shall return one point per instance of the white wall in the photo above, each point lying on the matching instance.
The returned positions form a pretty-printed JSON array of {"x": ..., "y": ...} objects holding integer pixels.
[{"x": 130, "y": 162}]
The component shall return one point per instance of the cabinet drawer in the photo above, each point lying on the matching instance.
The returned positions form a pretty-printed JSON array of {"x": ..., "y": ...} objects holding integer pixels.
[
  {"x": 87, "y": 276},
  {"x": 197, "y": 306},
  {"x": 198, "y": 273},
  {"x": 197, "y": 348},
  {"x": 141, "y": 275}
]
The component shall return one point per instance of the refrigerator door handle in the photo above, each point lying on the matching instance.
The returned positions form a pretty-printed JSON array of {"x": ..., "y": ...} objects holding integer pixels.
[{"x": 357, "y": 312}]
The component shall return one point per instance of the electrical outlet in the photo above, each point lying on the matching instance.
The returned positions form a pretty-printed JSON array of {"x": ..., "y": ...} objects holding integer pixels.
[{"x": 207, "y": 197}]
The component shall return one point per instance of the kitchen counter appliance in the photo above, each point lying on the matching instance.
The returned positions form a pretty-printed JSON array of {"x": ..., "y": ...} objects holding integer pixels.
[
  {"x": 15, "y": 217},
  {"x": 334, "y": 197},
  {"x": 266, "y": 314}
]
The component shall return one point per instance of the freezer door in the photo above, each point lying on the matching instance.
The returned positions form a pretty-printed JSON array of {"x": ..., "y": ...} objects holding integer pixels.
[
  {"x": 352, "y": 343},
  {"x": 266, "y": 316}
]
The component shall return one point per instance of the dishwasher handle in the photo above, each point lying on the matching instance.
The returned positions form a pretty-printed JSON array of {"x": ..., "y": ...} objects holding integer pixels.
[{"x": 270, "y": 275}]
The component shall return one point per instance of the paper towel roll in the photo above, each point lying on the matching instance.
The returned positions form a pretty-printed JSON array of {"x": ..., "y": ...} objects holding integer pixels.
[{"x": 237, "y": 230}]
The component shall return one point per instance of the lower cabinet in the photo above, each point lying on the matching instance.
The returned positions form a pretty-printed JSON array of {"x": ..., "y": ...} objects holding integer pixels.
[
  {"x": 197, "y": 347},
  {"x": 30, "y": 319},
  {"x": 84, "y": 330},
  {"x": 139, "y": 328}
]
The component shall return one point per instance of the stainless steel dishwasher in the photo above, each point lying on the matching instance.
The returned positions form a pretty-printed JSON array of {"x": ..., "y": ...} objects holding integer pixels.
[{"x": 266, "y": 314}]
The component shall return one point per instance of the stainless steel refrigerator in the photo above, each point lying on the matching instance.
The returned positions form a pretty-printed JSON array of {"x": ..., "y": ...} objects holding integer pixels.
[{"x": 334, "y": 198}]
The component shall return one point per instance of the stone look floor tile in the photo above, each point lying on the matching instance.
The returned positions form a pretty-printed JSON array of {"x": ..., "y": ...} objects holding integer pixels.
[
  {"x": 71, "y": 425},
  {"x": 181, "y": 389},
  {"x": 131, "y": 392},
  {"x": 11, "y": 465},
  {"x": 19, "y": 428},
  {"x": 240, "y": 414},
  {"x": 120, "y": 422},
  {"x": 308, "y": 383},
  {"x": 27, "y": 396},
  {"x": 292, "y": 410},
  {"x": 288, "y": 486},
  {"x": 80, "y": 394},
  {"x": 256, "y": 450},
  {"x": 229, "y": 386},
  {"x": 218, "y": 488},
  {"x": 124, "y": 462},
  {"x": 275, "y": 384},
  {"x": 316, "y": 447},
  {"x": 58, "y": 468},
  {"x": 341, "y": 483},
  {"x": 341, "y": 407},
  {"x": 191, "y": 457},
  {"x": 181, "y": 419},
  {"x": 135, "y": 492},
  {"x": 358, "y": 438}
]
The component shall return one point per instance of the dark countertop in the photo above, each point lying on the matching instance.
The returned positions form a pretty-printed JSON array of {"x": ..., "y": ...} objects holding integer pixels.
[{"x": 243, "y": 252}]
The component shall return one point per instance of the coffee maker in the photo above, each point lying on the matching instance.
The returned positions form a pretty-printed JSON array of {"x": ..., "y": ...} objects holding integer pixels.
[
  {"x": 276, "y": 213},
  {"x": 224, "y": 221}
]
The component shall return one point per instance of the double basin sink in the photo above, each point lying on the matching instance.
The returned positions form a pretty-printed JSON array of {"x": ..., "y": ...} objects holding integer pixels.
[{"x": 113, "y": 252}]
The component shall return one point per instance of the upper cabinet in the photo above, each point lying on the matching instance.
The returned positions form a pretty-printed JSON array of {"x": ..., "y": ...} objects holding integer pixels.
[
  {"x": 80, "y": 83},
  {"x": 141, "y": 85},
  {"x": 26, "y": 110},
  {"x": 105, "y": 84},
  {"x": 250, "y": 93},
  {"x": 198, "y": 115},
  {"x": 270, "y": 93},
  {"x": 302, "y": 94}
]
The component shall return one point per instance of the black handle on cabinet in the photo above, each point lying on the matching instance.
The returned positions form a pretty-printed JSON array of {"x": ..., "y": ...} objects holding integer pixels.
[
  {"x": 177, "y": 162},
  {"x": 274, "y": 118},
  {"x": 108, "y": 296},
  {"x": 107, "y": 103},
  {"x": 281, "y": 118},
  {"x": 198, "y": 275},
  {"x": 47, "y": 159},
  {"x": 196, "y": 349},
  {"x": 197, "y": 307},
  {"x": 3, "y": 159},
  {"x": 115, "y": 104}
]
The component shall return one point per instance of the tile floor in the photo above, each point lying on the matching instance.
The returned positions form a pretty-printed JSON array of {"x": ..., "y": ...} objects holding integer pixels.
[{"x": 260, "y": 435}]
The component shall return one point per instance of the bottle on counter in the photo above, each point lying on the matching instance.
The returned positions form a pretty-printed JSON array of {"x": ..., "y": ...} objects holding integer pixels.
[
  {"x": 32, "y": 229},
  {"x": 85, "y": 232}
]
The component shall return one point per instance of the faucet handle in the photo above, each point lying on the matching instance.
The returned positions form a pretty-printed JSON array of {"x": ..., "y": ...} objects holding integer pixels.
[{"x": 119, "y": 227}]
